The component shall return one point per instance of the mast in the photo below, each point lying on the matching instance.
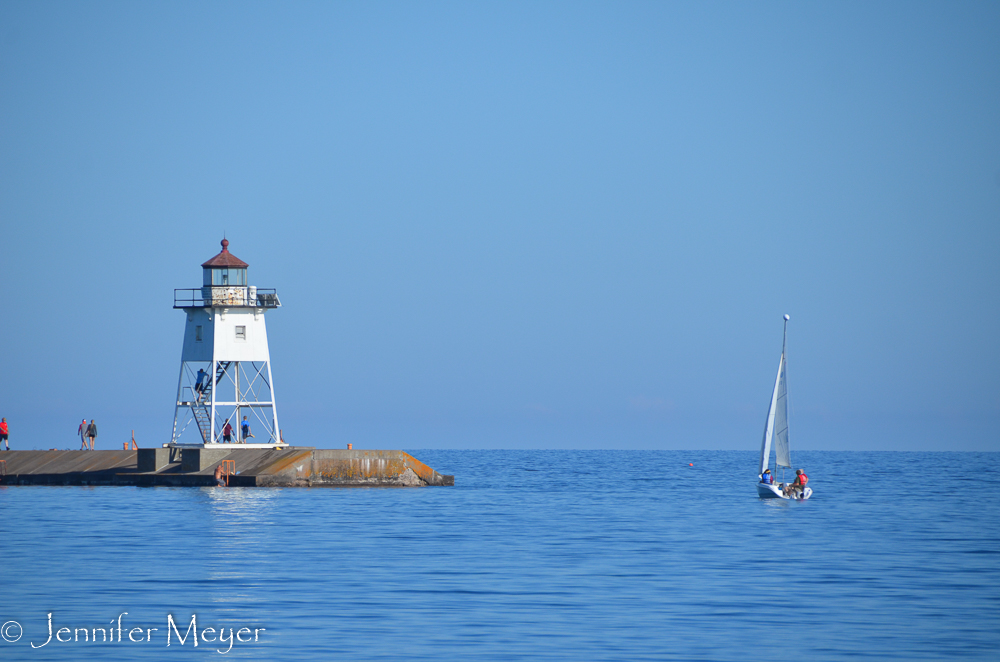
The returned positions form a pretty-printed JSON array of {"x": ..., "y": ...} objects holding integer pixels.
[
  {"x": 777, "y": 406},
  {"x": 783, "y": 371},
  {"x": 784, "y": 336}
]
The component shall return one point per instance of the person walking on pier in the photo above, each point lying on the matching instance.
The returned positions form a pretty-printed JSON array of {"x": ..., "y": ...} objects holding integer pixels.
[
  {"x": 227, "y": 433},
  {"x": 82, "y": 431},
  {"x": 3, "y": 433},
  {"x": 92, "y": 433}
]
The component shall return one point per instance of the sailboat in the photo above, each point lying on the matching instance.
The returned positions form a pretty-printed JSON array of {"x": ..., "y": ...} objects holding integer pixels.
[{"x": 776, "y": 429}]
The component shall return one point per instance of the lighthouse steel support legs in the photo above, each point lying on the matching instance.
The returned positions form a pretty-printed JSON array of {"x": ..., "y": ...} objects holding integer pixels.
[
  {"x": 177, "y": 409},
  {"x": 246, "y": 385},
  {"x": 252, "y": 386},
  {"x": 211, "y": 376},
  {"x": 276, "y": 431},
  {"x": 190, "y": 407},
  {"x": 239, "y": 397}
]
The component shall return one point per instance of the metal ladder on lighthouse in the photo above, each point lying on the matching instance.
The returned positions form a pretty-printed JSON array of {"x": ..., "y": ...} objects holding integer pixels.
[{"x": 203, "y": 412}]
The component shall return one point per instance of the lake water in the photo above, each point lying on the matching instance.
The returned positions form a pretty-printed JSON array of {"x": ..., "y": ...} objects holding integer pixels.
[{"x": 541, "y": 555}]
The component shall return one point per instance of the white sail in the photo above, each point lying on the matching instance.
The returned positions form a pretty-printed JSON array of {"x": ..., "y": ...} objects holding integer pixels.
[
  {"x": 781, "y": 453},
  {"x": 765, "y": 445}
]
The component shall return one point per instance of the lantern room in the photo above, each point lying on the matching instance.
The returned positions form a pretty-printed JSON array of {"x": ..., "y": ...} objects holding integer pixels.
[{"x": 224, "y": 270}]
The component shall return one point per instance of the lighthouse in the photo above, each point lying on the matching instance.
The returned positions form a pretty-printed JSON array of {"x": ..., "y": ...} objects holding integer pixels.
[{"x": 225, "y": 383}]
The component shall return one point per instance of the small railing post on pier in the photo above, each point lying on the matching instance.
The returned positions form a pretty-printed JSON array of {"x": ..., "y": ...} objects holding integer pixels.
[{"x": 135, "y": 446}]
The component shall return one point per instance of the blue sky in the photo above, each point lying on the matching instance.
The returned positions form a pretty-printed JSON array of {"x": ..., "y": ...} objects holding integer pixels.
[{"x": 541, "y": 225}]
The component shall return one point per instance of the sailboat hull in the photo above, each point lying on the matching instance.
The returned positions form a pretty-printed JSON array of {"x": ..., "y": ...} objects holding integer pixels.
[{"x": 765, "y": 491}]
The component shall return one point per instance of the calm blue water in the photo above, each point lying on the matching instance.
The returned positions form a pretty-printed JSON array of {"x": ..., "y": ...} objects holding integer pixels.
[{"x": 568, "y": 555}]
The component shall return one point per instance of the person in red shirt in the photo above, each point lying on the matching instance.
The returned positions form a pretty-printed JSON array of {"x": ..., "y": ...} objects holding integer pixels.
[
  {"x": 799, "y": 486},
  {"x": 227, "y": 433},
  {"x": 3, "y": 433},
  {"x": 82, "y": 431}
]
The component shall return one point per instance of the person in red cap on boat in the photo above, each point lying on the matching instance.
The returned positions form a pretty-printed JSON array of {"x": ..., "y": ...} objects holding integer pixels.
[{"x": 798, "y": 487}]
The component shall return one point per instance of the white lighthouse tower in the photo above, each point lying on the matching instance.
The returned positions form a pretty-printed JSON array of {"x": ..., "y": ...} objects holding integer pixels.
[{"x": 225, "y": 373}]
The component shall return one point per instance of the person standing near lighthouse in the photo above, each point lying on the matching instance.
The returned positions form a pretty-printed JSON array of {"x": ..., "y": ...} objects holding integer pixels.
[
  {"x": 92, "y": 433},
  {"x": 82, "y": 431},
  {"x": 199, "y": 383}
]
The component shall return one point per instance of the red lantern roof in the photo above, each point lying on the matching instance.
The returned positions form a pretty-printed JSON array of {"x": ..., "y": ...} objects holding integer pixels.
[{"x": 226, "y": 259}]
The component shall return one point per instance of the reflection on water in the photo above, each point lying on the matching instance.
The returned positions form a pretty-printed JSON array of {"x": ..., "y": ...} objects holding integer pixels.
[
  {"x": 246, "y": 503},
  {"x": 534, "y": 554},
  {"x": 242, "y": 518}
]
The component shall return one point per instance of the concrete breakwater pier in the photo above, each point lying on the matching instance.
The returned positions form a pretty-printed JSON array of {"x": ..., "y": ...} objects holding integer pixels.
[{"x": 288, "y": 466}]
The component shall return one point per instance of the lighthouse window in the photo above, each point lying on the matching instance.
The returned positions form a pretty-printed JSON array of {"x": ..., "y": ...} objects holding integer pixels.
[
  {"x": 229, "y": 277},
  {"x": 197, "y": 334},
  {"x": 241, "y": 333}
]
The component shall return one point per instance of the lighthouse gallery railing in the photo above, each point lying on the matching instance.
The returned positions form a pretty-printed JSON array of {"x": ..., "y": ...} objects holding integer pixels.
[{"x": 208, "y": 297}]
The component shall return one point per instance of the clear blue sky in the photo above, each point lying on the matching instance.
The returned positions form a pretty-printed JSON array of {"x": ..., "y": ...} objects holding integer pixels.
[{"x": 498, "y": 225}]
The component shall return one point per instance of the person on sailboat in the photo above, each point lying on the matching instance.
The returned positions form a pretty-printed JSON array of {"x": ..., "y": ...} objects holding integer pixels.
[
  {"x": 797, "y": 487},
  {"x": 766, "y": 477}
]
